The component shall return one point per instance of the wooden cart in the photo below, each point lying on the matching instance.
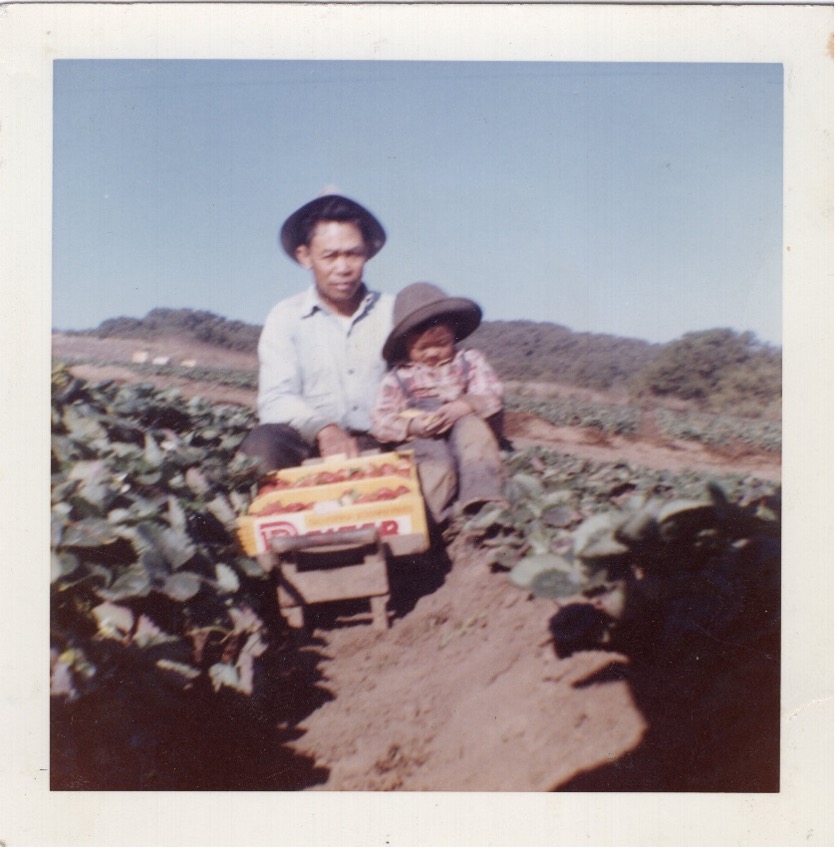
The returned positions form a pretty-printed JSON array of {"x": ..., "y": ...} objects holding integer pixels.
[{"x": 321, "y": 567}]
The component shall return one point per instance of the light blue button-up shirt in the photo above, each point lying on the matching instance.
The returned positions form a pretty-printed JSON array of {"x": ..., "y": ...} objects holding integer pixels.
[{"x": 317, "y": 368}]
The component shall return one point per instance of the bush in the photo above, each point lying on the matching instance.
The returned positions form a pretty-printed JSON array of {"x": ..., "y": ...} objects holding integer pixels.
[{"x": 719, "y": 367}]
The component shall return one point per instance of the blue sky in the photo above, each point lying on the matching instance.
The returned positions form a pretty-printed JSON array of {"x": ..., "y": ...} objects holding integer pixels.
[{"x": 643, "y": 200}]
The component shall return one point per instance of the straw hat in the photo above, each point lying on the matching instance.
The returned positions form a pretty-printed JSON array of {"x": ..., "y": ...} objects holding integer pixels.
[{"x": 421, "y": 302}]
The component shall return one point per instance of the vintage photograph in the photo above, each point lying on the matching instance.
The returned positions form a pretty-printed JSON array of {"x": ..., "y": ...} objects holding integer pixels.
[
  {"x": 420, "y": 421},
  {"x": 546, "y": 298}
]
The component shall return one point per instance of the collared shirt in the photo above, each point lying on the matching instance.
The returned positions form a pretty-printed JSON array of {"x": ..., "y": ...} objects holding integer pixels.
[
  {"x": 467, "y": 376},
  {"x": 317, "y": 368}
]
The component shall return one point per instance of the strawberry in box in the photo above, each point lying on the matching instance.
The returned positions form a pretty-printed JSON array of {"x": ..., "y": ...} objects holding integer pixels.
[{"x": 336, "y": 494}]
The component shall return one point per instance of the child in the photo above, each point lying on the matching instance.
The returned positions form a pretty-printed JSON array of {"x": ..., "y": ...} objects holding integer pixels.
[{"x": 437, "y": 400}]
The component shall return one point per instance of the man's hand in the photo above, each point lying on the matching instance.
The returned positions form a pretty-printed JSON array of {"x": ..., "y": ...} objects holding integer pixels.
[{"x": 332, "y": 440}]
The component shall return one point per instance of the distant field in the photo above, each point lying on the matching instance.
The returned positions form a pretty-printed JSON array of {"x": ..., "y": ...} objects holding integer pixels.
[{"x": 610, "y": 414}]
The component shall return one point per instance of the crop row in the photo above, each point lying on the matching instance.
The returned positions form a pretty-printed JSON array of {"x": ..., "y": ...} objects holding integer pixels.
[
  {"x": 709, "y": 429},
  {"x": 247, "y": 379},
  {"x": 721, "y": 429},
  {"x": 551, "y": 493},
  {"x": 569, "y": 411}
]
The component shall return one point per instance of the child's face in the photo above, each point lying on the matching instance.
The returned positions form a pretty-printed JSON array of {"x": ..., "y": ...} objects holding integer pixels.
[{"x": 433, "y": 346}]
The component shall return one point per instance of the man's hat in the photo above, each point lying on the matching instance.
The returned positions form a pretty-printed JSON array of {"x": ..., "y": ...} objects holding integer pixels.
[
  {"x": 420, "y": 303},
  {"x": 331, "y": 208}
]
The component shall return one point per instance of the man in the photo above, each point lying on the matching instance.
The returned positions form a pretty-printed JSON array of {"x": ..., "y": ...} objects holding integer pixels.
[{"x": 320, "y": 357}]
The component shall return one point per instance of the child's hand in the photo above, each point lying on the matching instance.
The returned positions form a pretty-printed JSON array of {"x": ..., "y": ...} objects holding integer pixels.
[
  {"x": 423, "y": 425},
  {"x": 448, "y": 414}
]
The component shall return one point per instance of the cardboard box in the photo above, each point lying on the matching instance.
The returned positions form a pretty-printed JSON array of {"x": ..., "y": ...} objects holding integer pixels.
[{"x": 330, "y": 506}]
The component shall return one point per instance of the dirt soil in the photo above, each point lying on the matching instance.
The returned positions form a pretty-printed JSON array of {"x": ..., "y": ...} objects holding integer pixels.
[{"x": 464, "y": 692}]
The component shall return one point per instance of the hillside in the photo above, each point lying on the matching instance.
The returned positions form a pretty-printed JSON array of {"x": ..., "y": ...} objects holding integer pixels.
[
  {"x": 520, "y": 350},
  {"x": 721, "y": 369}
]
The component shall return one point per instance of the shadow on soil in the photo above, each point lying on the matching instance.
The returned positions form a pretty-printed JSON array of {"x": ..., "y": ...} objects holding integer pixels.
[
  {"x": 413, "y": 577},
  {"x": 712, "y": 727},
  {"x": 138, "y": 735},
  {"x": 410, "y": 579},
  {"x": 711, "y": 698}
]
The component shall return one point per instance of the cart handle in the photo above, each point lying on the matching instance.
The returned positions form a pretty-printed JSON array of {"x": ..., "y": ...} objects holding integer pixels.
[{"x": 325, "y": 540}]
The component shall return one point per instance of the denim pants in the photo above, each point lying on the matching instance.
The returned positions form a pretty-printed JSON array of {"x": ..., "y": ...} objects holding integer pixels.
[{"x": 461, "y": 467}]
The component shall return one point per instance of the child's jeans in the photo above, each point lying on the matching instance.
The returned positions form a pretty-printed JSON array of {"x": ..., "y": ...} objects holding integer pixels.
[{"x": 466, "y": 456}]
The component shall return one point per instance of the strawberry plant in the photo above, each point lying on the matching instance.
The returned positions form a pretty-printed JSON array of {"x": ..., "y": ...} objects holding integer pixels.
[
  {"x": 616, "y": 545},
  {"x": 568, "y": 411},
  {"x": 721, "y": 429},
  {"x": 153, "y": 604}
]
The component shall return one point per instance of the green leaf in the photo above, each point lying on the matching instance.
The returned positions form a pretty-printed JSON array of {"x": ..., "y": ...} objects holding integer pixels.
[
  {"x": 223, "y": 674},
  {"x": 250, "y": 567},
  {"x": 523, "y": 485},
  {"x": 227, "y": 578},
  {"x": 594, "y": 530},
  {"x": 62, "y": 565},
  {"x": 97, "y": 494},
  {"x": 82, "y": 428},
  {"x": 147, "y": 634},
  {"x": 180, "y": 673},
  {"x": 154, "y": 563},
  {"x": 153, "y": 454},
  {"x": 182, "y": 586},
  {"x": 114, "y": 622},
  {"x": 143, "y": 509},
  {"x": 89, "y": 471},
  {"x": 118, "y": 516},
  {"x": 559, "y": 516},
  {"x": 239, "y": 502},
  {"x": 196, "y": 481},
  {"x": 56, "y": 529},
  {"x": 640, "y": 526},
  {"x": 487, "y": 516},
  {"x": 177, "y": 516},
  {"x": 554, "y": 584},
  {"x": 505, "y": 556},
  {"x": 523, "y": 574},
  {"x": 176, "y": 546},
  {"x": 604, "y": 547},
  {"x": 123, "y": 451},
  {"x": 220, "y": 507},
  {"x": 682, "y": 519},
  {"x": 133, "y": 583},
  {"x": 88, "y": 533},
  {"x": 62, "y": 510},
  {"x": 539, "y": 540}
]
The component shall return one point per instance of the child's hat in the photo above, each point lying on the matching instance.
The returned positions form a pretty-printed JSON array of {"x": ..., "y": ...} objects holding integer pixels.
[{"x": 419, "y": 303}]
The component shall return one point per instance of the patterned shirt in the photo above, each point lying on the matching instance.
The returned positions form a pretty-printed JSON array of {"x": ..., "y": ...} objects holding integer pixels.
[
  {"x": 468, "y": 376},
  {"x": 316, "y": 368}
]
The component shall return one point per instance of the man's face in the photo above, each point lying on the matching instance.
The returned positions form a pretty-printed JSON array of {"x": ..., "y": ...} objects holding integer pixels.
[
  {"x": 432, "y": 347},
  {"x": 336, "y": 255}
]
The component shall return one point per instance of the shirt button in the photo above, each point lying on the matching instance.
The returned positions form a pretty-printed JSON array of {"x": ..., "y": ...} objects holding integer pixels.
[{"x": 351, "y": 372}]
